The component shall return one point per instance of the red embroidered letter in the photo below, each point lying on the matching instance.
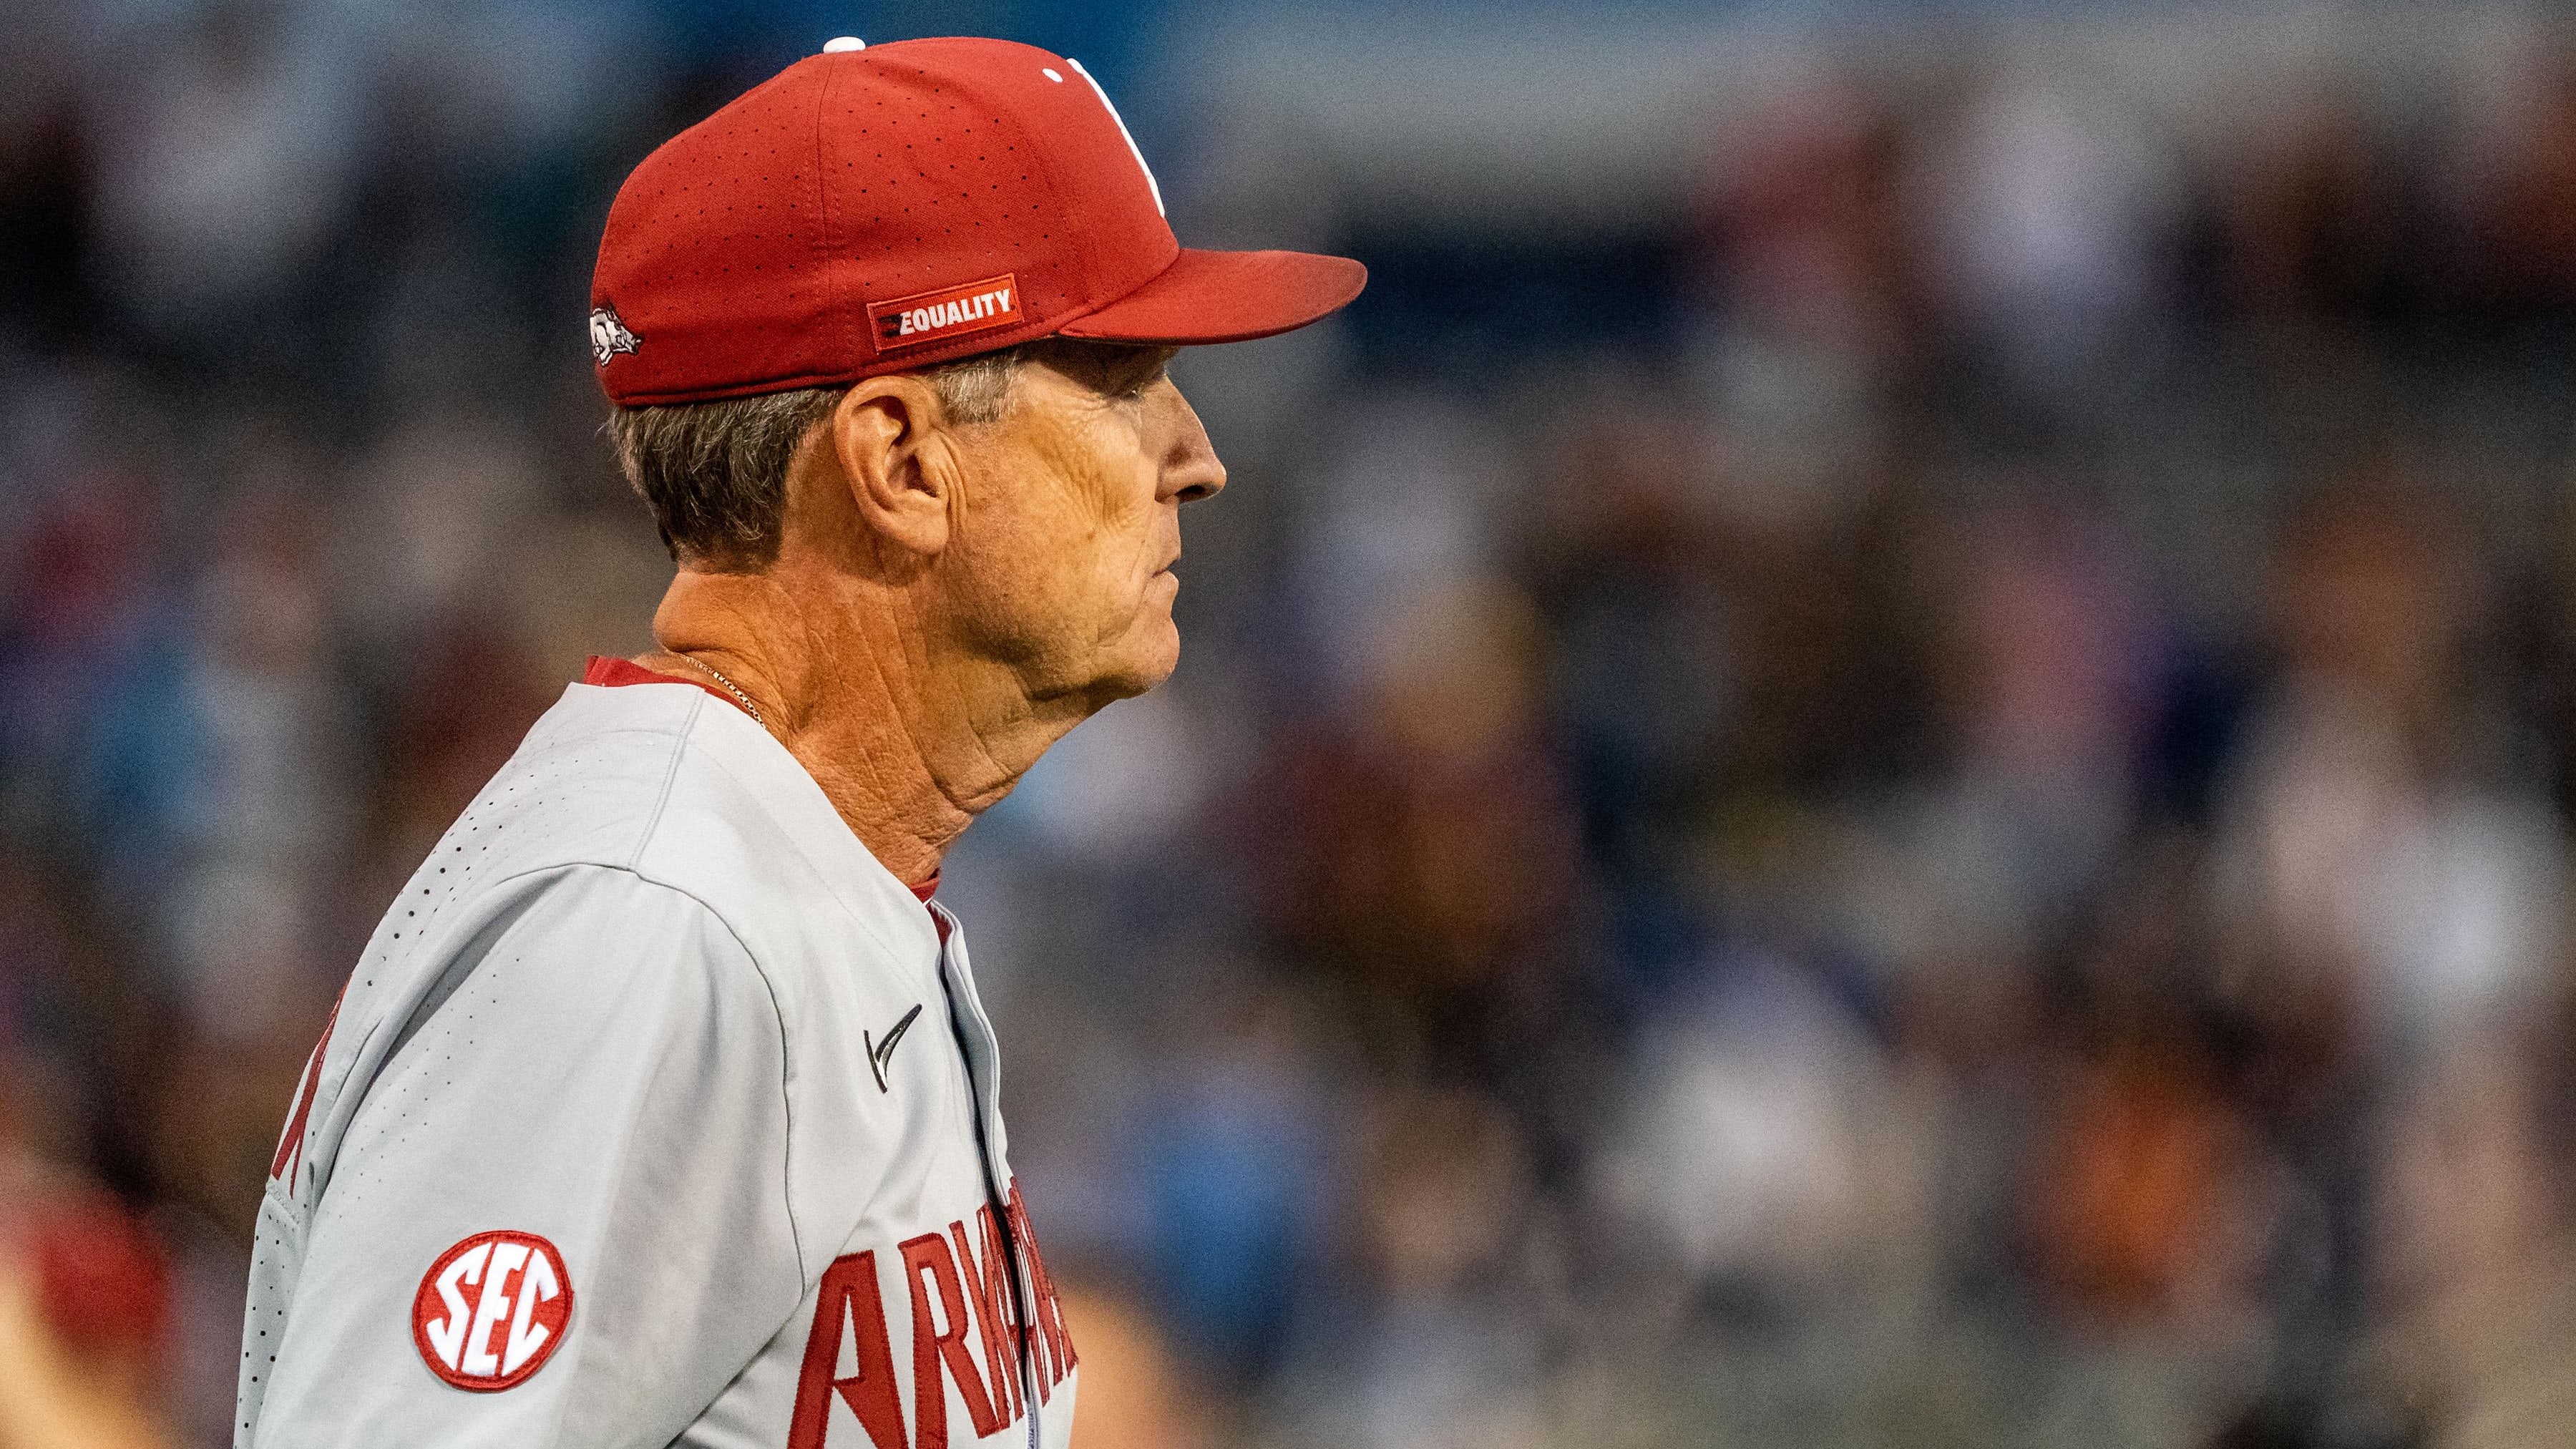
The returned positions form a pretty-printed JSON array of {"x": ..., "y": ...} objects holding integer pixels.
[
  {"x": 849, "y": 1314},
  {"x": 988, "y": 1287},
  {"x": 929, "y": 1254},
  {"x": 1049, "y": 1309},
  {"x": 290, "y": 1148}
]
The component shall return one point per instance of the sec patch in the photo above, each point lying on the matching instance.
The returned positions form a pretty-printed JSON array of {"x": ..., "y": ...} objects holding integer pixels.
[{"x": 492, "y": 1309}]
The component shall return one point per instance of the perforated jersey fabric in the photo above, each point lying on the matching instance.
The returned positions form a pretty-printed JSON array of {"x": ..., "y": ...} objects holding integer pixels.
[{"x": 635, "y": 1008}]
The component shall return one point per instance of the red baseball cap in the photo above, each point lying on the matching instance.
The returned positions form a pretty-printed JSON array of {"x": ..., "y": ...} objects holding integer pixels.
[{"x": 876, "y": 209}]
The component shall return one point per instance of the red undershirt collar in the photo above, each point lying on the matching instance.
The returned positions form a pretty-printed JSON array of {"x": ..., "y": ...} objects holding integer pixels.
[{"x": 610, "y": 673}]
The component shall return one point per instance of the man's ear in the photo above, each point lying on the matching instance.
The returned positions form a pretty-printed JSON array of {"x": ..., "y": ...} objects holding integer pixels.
[{"x": 897, "y": 461}]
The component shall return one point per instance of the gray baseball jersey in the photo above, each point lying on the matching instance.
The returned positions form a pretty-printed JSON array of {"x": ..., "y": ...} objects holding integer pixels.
[{"x": 657, "y": 1112}]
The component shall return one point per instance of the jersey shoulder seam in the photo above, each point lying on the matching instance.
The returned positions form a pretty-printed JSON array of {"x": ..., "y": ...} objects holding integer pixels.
[
  {"x": 662, "y": 800},
  {"x": 769, "y": 988},
  {"x": 778, "y": 1018}
]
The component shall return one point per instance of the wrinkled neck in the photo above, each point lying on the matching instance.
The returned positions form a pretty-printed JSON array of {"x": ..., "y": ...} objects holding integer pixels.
[{"x": 909, "y": 737}]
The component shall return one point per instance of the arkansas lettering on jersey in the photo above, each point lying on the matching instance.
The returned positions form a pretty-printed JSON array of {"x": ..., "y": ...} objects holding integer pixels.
[{"x": 959, "y": 1284}]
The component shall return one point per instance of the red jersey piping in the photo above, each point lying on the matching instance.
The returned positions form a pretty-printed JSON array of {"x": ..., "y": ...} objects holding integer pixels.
[{"x": 609, "y": 673}]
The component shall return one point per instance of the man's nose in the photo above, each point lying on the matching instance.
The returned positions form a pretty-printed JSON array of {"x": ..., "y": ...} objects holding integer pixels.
[{"x": 1191, "y": 470}]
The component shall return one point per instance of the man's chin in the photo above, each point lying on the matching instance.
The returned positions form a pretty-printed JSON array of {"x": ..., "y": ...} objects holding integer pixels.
[
  {"x": 1131, "y": 683},
  {"x": 1145, "y": 667},
  {"x": 1136, "y": 664}
]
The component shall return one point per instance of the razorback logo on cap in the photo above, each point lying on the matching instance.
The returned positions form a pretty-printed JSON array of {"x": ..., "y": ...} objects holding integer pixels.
[
  {"x": 492, "y": 1309},
  {"x": 609, "y": 336},
  {"x": 948, "y": 312}
]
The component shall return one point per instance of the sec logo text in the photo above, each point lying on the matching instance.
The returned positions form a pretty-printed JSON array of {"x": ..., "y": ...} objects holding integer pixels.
[{"x": 491, "y": 1310}]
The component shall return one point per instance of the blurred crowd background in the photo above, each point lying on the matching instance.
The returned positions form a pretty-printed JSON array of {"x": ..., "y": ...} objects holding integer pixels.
[{"x": 1881, "y": 754}]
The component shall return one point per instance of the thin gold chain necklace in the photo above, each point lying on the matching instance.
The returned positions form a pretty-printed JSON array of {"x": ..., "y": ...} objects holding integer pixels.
[{"x": 730, "y": 688}]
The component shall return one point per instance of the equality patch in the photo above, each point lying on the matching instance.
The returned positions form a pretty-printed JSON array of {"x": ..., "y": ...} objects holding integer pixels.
[
  {"x": 492, "y": 1310},
  {"x": 927, "y": 317}
]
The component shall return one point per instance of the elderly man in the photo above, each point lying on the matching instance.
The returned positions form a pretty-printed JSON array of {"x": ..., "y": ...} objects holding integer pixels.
[{"x": 660, "y": 1108}]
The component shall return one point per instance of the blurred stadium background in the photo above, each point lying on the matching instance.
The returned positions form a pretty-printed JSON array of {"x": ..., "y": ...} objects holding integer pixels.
[{"x": 1880, "y": 755}]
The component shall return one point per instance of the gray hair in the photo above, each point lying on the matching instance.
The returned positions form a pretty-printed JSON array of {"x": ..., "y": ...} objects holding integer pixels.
[{"x": 715, "y": 474}]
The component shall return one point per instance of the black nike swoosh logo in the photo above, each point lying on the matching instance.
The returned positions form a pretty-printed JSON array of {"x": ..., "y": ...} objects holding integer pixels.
[{"x": 878, "y": 1052}]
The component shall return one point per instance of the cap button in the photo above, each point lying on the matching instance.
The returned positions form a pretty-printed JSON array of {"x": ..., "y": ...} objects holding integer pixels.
[{"x": 839, "y": 43}]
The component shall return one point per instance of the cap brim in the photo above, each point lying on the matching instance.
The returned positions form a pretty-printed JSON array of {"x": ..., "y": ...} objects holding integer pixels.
[{"x": 1206, "y": 296}]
